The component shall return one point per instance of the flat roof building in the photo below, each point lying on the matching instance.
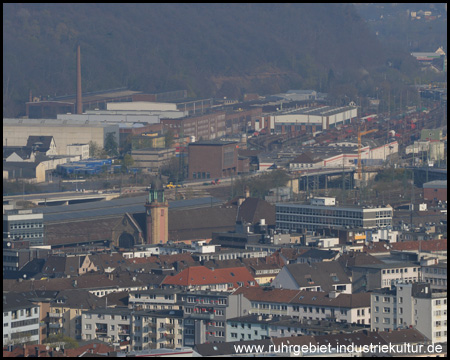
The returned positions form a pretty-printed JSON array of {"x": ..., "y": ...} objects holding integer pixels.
[
  {"x": 64, "y": 132},
  {"x": 314, "y": 216},
  {"x": 23, "y": 225},
  {"x": 212, "y": 159},
  {"x": 312, "y": 119}
]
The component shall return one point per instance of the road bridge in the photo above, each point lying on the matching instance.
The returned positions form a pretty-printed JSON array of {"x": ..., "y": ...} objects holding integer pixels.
[{"x": 52, "y": 199}]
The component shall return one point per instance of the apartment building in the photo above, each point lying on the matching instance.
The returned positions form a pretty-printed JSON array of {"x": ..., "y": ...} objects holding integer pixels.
[
  {"x": 415, "y": 305},
  {"x": 434, "y": 272},
  {"x": 258, "y": 327},
  {"x": 205, "y": 312},
  {"x": 20, "y": 320},
  {"x": 375, "y": 276},
  {"x": 311, "y": 305},
  {"x": 65, "y": 310},
  {"x": 324, "y": 276},
  {"x": 142, "y": 329}
]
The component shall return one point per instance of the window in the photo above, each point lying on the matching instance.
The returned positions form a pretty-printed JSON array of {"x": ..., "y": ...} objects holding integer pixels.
[{"x": 386, "y": 310}]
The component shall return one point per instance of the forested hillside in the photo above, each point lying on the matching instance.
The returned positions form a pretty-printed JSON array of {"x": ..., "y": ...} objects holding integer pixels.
[{"x": 208, "y": 49}]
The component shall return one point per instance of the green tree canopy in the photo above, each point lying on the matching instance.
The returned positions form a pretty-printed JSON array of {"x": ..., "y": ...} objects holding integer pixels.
[{"x": 111, "y": 145}]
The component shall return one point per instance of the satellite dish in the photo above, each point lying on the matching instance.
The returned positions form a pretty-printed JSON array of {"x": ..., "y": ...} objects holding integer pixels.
[
  {"x": 47, "y": 348},
  {"x": 57, "y": 348}
]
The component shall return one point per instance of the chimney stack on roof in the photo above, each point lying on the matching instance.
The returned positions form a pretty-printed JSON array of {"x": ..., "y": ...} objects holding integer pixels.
[{"x": 79, "y": 109}]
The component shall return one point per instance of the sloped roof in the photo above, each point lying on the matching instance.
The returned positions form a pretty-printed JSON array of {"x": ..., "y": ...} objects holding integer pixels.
[
  {"x": 13, "y": 301},
  {"x": 425, "y": 245},
  {"x": 403, "y": 336},
  {"x": 267, "y": 294},
  {"x": 200, "y": 223},
  {"x": 76, "y": 299},
  {"x": 319, "y": 254},
  {"x": 195, "y": 275},
  {"x": 105, "y": 261},
  {"x": 357, "y": 258},
  {"x": 123, "y": 279},
  {"x": 319, "y": 273},
  {"x": 201, "y": 275},
  {"x": 45, "y": 140},
  {"x": 321, "y": 298},
  {"x": 73, "y": 232},
  {"x": 304, "y": 158},
  {"x": 23, "y": 151},
  {"x": 252, "y": 210}
]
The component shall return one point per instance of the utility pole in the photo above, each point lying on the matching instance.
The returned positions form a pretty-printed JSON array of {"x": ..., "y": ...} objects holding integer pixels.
[{"x": 412, "y": 199}]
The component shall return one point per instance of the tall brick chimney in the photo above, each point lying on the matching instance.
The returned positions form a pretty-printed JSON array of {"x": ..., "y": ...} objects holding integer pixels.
[{"x": 79, "y": 98}]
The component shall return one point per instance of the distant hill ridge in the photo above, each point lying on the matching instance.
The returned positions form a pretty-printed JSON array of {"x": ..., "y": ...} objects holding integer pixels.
[{"x": 208, "y": 49}]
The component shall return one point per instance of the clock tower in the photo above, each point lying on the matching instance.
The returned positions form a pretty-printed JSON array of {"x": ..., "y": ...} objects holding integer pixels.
[{"x": 157, "y": 217}]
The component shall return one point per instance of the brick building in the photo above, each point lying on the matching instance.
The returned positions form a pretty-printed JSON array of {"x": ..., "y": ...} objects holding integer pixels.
[
  {"x": 212, "y": 159},
  {"x": 434, "y": 191}
]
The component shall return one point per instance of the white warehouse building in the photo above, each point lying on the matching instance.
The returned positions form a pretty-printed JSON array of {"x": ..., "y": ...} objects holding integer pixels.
[
  {"x": 64, "y": 132},
  {"x": 312, "y": 119},
  {"x": 141, "y": 105}
]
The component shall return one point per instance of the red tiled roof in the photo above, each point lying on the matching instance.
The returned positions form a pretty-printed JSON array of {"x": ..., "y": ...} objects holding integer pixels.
[
  {"x": 237, "y": 274},
  {"x": 96, "y": 348},
  {"x": 195, "y": 275},
  {"x": 425, "y": 245}
]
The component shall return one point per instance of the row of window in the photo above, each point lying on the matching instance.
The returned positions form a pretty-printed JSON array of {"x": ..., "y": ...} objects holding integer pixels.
[
  {"x": 26, "y": 236},
  {"x": 26, "y": 312},
  {"x": 201, "y": 175},
  {"x": 192, "y": 299},
  {"x": 386, "y": 310},
  {"x": 435, "y": 271},
  {"x": 26, "y": 226},
  {"x": 306, "y": 309},
  {"x": 399, "y": 271},
  {"x": 323, "y": 211}
]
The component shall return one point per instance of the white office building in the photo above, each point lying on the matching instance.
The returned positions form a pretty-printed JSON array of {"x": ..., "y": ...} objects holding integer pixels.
[{"x": 317, "y": 215}]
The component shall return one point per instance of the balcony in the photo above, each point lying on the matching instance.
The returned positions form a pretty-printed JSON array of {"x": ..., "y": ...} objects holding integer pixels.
[
  {"x": 152, "y": 325},
  {"x": 169, "y": 326},
  {"x": 169, "y": 336},
  {"x": 169, "y": 346},
  {"x": 55, "y": 315},
  {"x": 199, "y": 316},
  {"x": 55, "y": 325},
  {"x": 101, "y": 331}
]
